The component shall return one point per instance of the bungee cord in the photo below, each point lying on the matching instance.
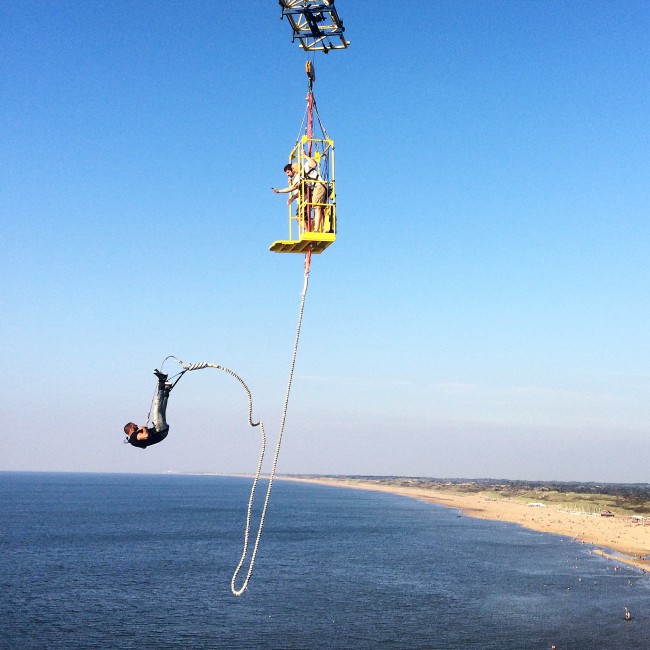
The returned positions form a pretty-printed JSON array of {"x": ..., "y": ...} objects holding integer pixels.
[{"x": 189, "y": 367}]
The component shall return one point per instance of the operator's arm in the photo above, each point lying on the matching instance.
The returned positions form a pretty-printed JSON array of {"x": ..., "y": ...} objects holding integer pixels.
[
  {"x": 311, "y": 163},
  {"x": 289, "y": 188}
]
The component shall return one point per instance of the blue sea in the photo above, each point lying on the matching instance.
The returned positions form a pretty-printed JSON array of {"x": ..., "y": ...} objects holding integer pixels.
[{"x": 145, "y": 561}]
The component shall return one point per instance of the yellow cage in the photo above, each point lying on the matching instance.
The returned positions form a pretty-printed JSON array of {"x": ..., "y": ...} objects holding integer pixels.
[{"x": 302, "y": 233}]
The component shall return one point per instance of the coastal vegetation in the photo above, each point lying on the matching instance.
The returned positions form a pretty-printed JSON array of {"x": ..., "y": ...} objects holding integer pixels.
[{"x": 591, "y": 498}]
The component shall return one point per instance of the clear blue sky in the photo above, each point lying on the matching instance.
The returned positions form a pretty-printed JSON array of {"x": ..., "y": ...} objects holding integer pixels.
[{"x": 485, "y": 311}]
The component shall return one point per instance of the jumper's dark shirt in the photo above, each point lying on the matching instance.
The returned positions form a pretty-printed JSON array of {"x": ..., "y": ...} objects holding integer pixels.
[{"x": 154, "y": 438}]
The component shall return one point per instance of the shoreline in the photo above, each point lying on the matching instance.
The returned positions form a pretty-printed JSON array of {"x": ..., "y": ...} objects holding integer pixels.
[{"x": 629, "y": 541}]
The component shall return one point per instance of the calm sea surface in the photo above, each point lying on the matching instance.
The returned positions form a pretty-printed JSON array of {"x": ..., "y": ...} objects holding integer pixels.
[{"x": 124, "y": 561}]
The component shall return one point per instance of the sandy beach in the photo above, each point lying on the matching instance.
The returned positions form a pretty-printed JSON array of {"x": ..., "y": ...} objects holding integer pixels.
[{"x": 630, "y": 540}]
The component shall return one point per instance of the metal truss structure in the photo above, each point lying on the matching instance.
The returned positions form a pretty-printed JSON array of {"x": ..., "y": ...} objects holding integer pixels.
[{"x": 315, "y": 24}]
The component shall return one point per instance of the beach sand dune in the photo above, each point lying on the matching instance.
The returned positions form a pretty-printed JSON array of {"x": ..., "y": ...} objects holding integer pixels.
[{"x": 629, "y": 539}]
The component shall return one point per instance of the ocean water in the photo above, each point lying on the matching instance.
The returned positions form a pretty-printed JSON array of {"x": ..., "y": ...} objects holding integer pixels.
[{"x": 141, "y": 561}]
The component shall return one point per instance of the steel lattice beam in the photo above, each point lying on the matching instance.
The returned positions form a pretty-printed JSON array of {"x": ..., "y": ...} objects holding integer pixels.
[{"x": 316, "y": 24}]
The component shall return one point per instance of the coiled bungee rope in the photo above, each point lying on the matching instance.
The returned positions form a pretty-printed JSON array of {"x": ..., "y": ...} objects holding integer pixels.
[{"x": 188, "y": 367}]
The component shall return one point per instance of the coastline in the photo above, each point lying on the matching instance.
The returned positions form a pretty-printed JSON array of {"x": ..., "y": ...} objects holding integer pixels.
[{"x": 629, "y": 542}]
